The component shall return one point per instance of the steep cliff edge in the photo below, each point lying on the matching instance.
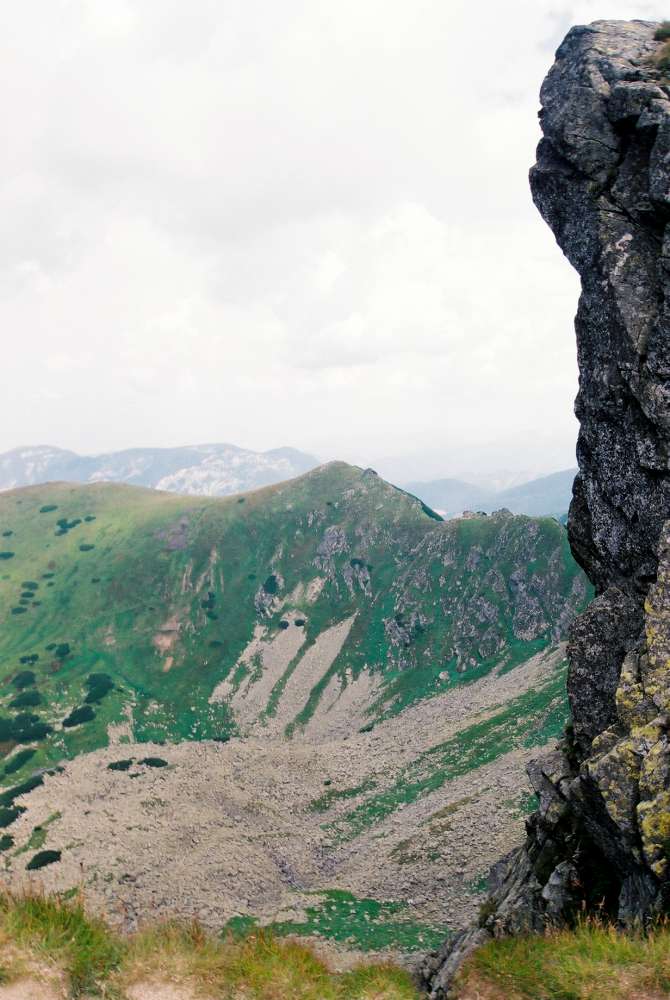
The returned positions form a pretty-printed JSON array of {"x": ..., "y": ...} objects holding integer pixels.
[{"x": 601, "y": 837}]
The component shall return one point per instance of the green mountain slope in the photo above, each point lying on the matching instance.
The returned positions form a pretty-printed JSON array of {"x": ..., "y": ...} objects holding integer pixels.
[
  {"x": 304, "y": 706},
  {"x": 113, "y": 596}
]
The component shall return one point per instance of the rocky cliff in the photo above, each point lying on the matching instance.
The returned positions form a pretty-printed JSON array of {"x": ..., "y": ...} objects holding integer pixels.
[{"x": 601, "y": 837}]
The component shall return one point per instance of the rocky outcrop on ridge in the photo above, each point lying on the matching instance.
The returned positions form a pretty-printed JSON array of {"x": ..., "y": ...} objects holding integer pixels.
[{"x": 601, "y": 837}]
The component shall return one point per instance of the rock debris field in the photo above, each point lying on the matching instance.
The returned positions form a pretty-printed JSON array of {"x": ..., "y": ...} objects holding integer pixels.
[{"x": 410, "y": 815}]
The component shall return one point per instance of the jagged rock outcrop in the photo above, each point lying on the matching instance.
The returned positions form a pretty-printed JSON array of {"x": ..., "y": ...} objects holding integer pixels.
[{"x": 601, "y": 837}]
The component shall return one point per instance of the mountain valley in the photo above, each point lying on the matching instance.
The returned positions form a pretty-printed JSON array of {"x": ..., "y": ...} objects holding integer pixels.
[{"x": 305, "y": 706}]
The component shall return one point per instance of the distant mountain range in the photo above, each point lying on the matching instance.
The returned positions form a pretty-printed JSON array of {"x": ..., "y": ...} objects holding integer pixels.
[
  {"x": 224, "y": 469},
  {"x": 548, "y": 495},
  {"x": 203, "y": 470}
]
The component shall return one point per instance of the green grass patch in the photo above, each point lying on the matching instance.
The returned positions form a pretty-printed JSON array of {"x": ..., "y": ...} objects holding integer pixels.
[
  {"x": 367, "y": 924},
  {"x": 593, "y": 961},
  {"x": 479, "y": 884},
  {"x": 524, "y": 804},
  {"x": 334, "y": 795},
  {"x": 240, "y": 926}
]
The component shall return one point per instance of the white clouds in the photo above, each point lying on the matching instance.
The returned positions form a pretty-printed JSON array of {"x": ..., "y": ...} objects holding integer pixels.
[{"x": 303, "y": 223}]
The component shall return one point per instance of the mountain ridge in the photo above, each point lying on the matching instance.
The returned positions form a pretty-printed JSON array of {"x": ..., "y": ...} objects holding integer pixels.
[{"x": 223, "y": 469}]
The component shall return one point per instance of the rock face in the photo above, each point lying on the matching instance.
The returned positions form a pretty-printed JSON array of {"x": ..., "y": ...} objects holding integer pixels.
[{"x": 601, "y": 837}]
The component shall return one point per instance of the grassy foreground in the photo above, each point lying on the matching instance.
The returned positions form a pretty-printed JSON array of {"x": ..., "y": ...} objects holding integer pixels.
[
  {"x": 83, "y": 958},
  {"x": 592, "y": 962},
  {"x": 50, "y": 942}
]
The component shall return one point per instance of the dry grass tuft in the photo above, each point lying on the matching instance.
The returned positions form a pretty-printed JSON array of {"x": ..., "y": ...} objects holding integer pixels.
[{"x": 258, "y": 967}]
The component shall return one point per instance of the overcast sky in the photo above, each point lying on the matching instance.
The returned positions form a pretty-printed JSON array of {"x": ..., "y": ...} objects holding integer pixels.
[{"x": 285, "y": 222}]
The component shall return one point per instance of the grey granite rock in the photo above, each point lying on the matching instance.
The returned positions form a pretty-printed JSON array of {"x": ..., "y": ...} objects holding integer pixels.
[
  {"x": 599, "y": 639},
  {"x": 601, "y": 837}
]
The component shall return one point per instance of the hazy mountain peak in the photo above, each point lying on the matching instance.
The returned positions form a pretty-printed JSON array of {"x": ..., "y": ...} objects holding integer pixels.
[
  {"x": 546, "y": 495},
  {"x": 204, "y": 469}
]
